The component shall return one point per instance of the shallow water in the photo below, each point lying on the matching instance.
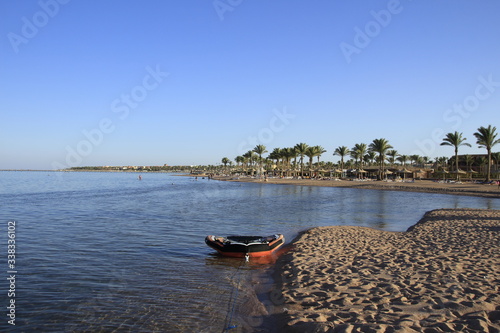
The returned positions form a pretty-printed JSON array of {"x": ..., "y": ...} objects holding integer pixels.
[{"x": 107, "y": 252}]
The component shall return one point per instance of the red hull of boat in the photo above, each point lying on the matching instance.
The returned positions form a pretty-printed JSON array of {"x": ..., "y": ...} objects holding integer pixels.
[{"x": 238, "y": 250}]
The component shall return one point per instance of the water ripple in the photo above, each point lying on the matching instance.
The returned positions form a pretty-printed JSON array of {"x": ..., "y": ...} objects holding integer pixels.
[{"x": 104, "y": 252}]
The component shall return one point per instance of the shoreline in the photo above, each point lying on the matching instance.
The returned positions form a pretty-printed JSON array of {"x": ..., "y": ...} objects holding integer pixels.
[
  {"x": 423, "y": 186},
  {"x": 440, "y": 275}
]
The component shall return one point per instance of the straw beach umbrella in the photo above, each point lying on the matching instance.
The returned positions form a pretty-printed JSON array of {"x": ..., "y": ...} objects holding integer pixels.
[
  {"x": 404, "y": 172},
  {"x": 458, "y": 173},
  {"x": 442, "y": 172},
  {"x": 335, "y": 171},
  {"x": 340, "y": 172},
  {"x": 471, "y": 172},
  {"x": 361, "y": 171},
  {"x": 421, "y": 171}
]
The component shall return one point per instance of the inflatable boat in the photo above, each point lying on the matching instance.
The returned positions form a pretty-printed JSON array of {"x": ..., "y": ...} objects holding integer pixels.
[{"x": 241, "y": 246}]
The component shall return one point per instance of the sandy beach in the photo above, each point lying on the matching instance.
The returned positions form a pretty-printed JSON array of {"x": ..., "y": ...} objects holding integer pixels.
[
  {"x": 428, "y": 186},
  {"x": 442, "y": 275}
]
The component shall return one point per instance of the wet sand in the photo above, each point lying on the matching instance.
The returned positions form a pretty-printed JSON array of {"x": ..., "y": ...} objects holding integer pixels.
[
  {"x": 428, "y": 186},
  {"x": 442, "y": 275}
]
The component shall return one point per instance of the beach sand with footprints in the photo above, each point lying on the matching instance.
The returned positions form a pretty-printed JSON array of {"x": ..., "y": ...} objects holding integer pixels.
[{"x": 442, "y": 275}]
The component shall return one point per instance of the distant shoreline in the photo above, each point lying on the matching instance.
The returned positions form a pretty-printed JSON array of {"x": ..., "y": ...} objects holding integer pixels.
[
  {"x": 28, "y": 170},
  {"x": 88, "y": 170},
  {"x": 423, "y": 186}
]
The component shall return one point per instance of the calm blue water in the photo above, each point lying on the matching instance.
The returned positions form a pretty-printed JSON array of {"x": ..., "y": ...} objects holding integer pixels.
[{"x": 107, "y": 252}]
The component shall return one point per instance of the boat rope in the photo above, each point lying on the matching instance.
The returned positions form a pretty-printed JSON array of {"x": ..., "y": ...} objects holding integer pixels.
[{"x": 233, "y": 299}]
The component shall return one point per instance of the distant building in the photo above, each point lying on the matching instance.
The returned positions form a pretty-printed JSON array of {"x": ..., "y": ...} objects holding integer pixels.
[{"x": 475, "y": 163}]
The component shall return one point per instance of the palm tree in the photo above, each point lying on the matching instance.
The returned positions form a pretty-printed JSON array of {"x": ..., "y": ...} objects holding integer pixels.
[
  {"x": 421, "y": 161},
  {"x": 370, "y": 156},
  {"x": 468, "y": 161},
  {"x": 288, "y": 154},
  {"x": 225, "y": 161},
  {"x": 319, "y": 151},
  {"x": 414, "y": 159},
  {"x": 311, "y": 153},
  {"x": 276, "y": 154},
  {"x": 496, "y": 157},
  {"x": 442, "y": 161},
  {"x": 341, "y": 151},
  {"x": 392, "y": 154},
  {"x": 301, "y": 149},
  {"x": 355, "y": 155},
  {"x": 329, "y": 165},
  {"x": 483, "y": 162},
  {"x": 486, "y": 138},
  {"x": 349, "y": 164},
  {"x": 380, "y": 146},
  {"x": 358, "y": 152},
  {"x": 403, "y": 159},
  {"x": 455, "y": 140},
  {"x": 314, "y": 151},
  {"x": 259, "y": 150},
  {"x": 239, "y": 159},
  {"x": 248, "y": 156}
]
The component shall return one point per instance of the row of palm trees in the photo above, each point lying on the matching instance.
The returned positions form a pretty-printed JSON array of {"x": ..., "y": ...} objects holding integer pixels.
[
  {"x": 485, "y": 138},
  {"x": 379, "y": 151}
]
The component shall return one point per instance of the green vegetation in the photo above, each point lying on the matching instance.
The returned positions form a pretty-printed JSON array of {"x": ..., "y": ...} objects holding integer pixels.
[
  {"x": 290, "y": 160},
  {"x": 378, "y": 153},
  {"x": 164, "y": 168},
  {"x": 486, "y": 138},
  {"x": 455, "y": 140}
]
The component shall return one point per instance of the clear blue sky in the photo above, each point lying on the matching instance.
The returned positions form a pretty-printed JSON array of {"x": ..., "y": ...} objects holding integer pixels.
[{"x": 189, "y": 82}]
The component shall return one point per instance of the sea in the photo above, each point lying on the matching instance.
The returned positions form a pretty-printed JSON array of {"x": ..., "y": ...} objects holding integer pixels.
[{"x": 107, "y": 252}]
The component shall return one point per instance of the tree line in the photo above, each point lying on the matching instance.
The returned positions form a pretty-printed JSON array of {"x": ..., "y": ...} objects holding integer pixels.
[{"x": 378, "y": 152}]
